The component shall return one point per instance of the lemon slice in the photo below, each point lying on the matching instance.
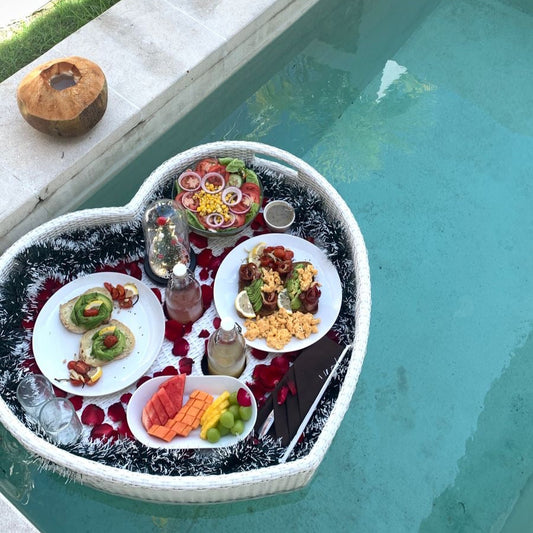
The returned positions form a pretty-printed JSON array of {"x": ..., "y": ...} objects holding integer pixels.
[
  {"x": 95, "y": 374},
  {"x": 255, "y": 253},
  {"x": 132, "y": 289},
  {"x": 284, "y": 301},
  {"x": 244, "y": 306}
]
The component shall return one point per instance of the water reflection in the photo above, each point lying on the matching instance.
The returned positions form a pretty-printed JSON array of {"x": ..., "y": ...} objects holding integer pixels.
[{"x": 16, "y": 481}]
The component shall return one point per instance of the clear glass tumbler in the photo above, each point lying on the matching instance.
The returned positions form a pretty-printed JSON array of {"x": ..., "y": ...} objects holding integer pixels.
[
  {"x": 33, "y": 392},
  {"x": 60, "y": 421}
]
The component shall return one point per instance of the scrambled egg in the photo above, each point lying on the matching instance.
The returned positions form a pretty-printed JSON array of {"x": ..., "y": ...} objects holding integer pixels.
[
  {"x": 271, "y": 280},
  {"x": 306, "y": 276},
  {"x": 279, "y": 328}
]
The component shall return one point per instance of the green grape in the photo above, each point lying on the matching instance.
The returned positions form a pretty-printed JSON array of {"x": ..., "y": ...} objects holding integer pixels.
[
  {"x": 227, "y": 419},
  {"x": 245, "y": 413},
  {"x": 223, "y": 430},
  {"x": 213, "y": 435},
  {"x": 237, "y": 428},
  {"x": 234, "y": 410},
  {"x": 233, "y": 398}
]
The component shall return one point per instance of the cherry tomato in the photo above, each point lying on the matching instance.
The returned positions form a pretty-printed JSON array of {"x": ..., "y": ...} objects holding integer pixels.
[
  {"x": 90, "y": 312},
  {"x": 110, "y": 341}
]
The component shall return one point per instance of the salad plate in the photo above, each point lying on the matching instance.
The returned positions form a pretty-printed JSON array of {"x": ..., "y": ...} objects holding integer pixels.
[
  {"x": 214, "y": 385},
  {"x": 54, "y": 345},
  {"x": 227, "y": 283}
]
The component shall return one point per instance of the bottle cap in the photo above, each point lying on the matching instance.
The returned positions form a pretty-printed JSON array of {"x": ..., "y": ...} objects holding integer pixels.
[
  {"x": 179, "y": 270},
  {"x": 227, "y": 323}
]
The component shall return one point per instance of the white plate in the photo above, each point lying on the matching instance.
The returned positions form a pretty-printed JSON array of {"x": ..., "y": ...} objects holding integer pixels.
[
  {"x": 54, "y": 345},
  {"x": 214, "y": 385},
  {"x": 227, "y": 283}
]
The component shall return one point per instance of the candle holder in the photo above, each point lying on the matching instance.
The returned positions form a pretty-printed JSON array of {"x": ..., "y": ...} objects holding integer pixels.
[{"x": 166, "y": 235}]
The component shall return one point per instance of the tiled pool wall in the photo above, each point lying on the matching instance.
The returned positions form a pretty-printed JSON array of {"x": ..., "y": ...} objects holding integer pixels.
[{"x": 160, "y": 59}]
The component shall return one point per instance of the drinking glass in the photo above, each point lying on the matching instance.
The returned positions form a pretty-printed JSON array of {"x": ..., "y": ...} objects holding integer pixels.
[
  {"x": 60, "y": 421},
  {"x": 33, "y": 392}
]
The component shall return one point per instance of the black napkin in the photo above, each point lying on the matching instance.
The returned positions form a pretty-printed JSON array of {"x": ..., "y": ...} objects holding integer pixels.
[{"x": 308, "y": 373}]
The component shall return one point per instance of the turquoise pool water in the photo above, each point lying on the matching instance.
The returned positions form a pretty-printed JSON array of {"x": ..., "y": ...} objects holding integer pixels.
[{"x": 424, "y": 124}]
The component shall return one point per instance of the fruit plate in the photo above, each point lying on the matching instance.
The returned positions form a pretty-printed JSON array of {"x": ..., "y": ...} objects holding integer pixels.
[
  {"x": 227, "y": 282},
  {"x": 214, "y": 385},
  {"x": 54, "y": 345}
]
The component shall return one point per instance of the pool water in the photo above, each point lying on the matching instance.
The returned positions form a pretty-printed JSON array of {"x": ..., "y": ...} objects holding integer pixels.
[{"x": 425, "y": 127}]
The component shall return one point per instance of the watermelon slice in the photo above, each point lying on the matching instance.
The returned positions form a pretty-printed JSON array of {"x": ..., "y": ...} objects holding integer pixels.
[
  {"x": 174, "y": 388},
  {"x": 146, "y": 420},
  {"x": 160, "y": 409},
  {"x": 152, "y": 413},
  {"x": 168, "y": 404}
]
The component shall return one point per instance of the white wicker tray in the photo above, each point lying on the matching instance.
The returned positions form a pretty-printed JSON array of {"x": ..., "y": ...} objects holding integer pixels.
[{"x": 287, "y": 476}]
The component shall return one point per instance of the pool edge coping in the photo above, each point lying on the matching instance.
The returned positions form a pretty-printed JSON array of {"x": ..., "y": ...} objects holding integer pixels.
[{"x": 81, "y": 165}]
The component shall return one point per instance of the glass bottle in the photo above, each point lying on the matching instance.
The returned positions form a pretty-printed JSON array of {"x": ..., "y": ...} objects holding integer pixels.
[
  {"x": 226, "y": 350},
  {"x": 183, "y": 297},
  {"x": 166, "y": 235}
]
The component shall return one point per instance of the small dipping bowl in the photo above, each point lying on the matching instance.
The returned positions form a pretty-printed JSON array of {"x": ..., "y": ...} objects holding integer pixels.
[{"x": 279, "y": 216}]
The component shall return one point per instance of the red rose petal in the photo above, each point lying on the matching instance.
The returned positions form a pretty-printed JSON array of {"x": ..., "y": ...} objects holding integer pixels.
[
  {"x": 135, "y": 271},
  {"x": 215, "y": 262},
  {"x": 103, "y": 432},
  {"x": 126, "y": 397},
  {"x": 92, "y": 415},
  {"x": 281, "y": 362},
  {"x": 124, "y": 430},
  {"x": 174, "y": 330},
  {"x": 157, "y": 292},
  {"x": 185, "y": 365},
  {"x": 198, "y": 240},
  {"x": 292, "y": 387},
  {"x": 188, "y": 328},
  {"x": 169, "y": 371},
  {"x": 259, "y": 393},
  {"x": 28, "y": 323},
  {"x": 204, "y": 334},
  {"x": 259, "y": 354},
  {"x": 59, "y": 393},
  {"x": 207, "y": 294},
  {"x": 283, "y": 392},
  {"x": 203, "y": 258},
  {"x": 142, "y": 380},
  {"x": 268, "y": 375},
  {"x": 77, "y": 402},
  {"x": 216, "y": 322},
  {"x": 204, "y": 274},
  {"x": 116, "y": 412},
  {"x": 180, "y": 348}
]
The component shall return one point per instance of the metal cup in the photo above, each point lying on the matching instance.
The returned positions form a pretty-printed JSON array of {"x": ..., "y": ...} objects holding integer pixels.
[
  {"x": 60, "y": 421},
  {"x": 33, "y": 392}
]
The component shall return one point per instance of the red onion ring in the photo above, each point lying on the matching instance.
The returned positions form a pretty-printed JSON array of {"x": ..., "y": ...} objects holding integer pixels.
[
  {"x": 213, "y": 175},
  {"x": 235, "y": 196},
  {"x": 246, "y": 201},
  {"x": 190, "y": 174},
  {"x": 214, "y": 220}
]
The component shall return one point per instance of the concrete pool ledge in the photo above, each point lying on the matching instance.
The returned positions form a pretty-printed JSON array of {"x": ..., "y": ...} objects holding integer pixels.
[{"x": 161, "y": 58}]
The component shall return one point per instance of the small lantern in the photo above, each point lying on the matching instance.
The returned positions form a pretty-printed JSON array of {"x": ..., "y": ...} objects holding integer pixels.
[{"x": 166, "y": 235}]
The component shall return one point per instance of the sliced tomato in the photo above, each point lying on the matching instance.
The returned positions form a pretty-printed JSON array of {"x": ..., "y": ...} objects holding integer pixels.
[
  {"x": 189, "y": 201},
  {"x": 205, "y": 165},
  {"x": 239, "y": 220},
  {"x": 252, "y": 190}
]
